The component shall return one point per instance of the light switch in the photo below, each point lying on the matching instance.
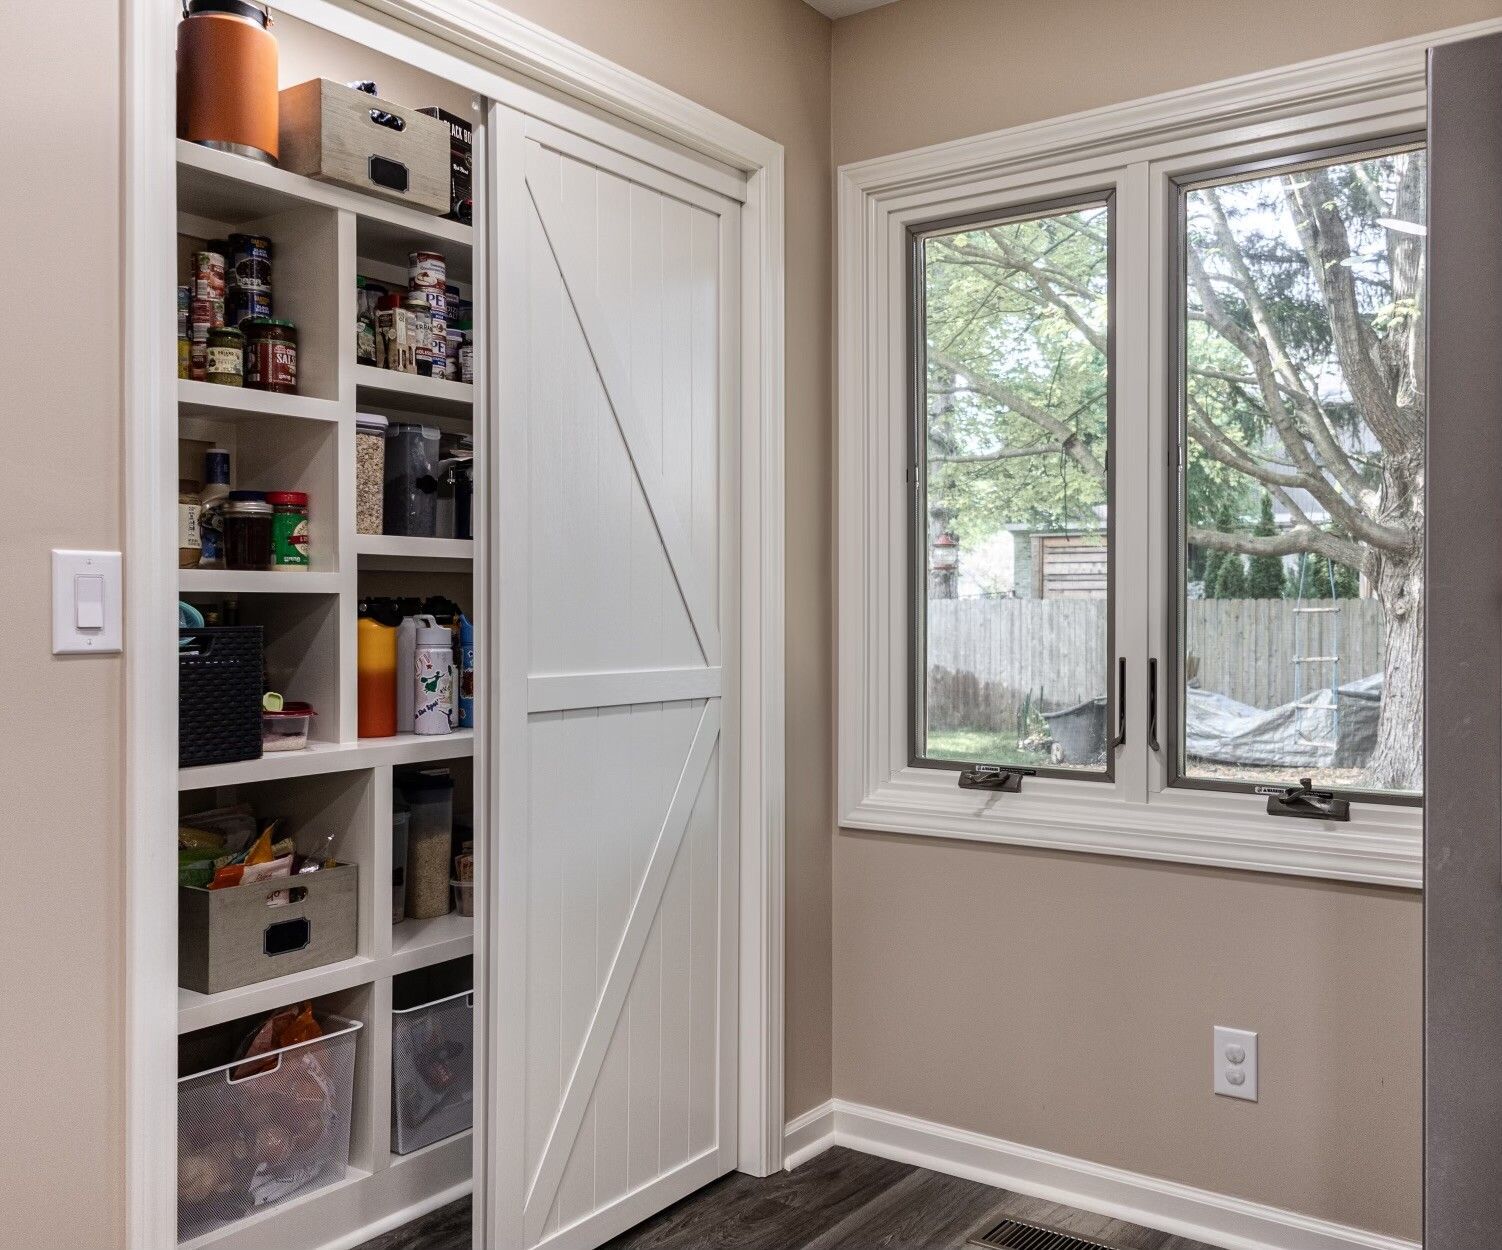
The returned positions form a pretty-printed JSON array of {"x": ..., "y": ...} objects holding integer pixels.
[{"x": 86, "y": 602}]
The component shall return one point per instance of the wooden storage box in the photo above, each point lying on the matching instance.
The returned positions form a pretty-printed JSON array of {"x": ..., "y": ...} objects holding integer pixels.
[
  {"x": 337, "y": 134},
  {"x": 240, "y": 935}
]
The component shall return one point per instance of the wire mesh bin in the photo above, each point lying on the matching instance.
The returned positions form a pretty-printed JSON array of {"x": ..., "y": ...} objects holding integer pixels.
[
  {"x": 432, "y": 1071},
  {"x": 256, "y": 1132}
]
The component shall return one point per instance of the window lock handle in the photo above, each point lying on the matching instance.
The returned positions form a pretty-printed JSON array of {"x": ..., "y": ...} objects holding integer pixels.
[
  {"x": 1152, "y": 707},
  {"x": 1121, "y": 705}
]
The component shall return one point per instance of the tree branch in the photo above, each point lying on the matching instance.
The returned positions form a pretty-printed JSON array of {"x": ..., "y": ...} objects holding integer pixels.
[
  {"x": 1004, "y": 453},
  {"x": 1291, "y": 542}
]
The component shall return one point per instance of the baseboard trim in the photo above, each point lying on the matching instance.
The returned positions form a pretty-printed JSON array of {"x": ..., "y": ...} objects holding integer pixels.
[
  {"x": 1182, "y": 1210},
  {"x": 808, "y": 1135}
]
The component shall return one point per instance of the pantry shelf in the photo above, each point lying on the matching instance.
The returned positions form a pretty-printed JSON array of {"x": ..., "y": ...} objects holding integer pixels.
[
  {"x": 377, "y": 551},
  {"x": 235, "y": 190},
  {"x": 421, "y": 943},
  {"x": 411, "y": 392},
  {"x": 238, "y": 582},
  {"x": 201, "y": 1011},
  {"x": 239, "y": 403},
  {"x": 332, "y": 757}
]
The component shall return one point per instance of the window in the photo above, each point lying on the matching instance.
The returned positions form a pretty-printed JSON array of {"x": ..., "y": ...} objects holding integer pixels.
[
  {"x": 1011, "y": 497},
  {"x": 1131, "y": 461},
  {"x": 1302, "y": 464}
]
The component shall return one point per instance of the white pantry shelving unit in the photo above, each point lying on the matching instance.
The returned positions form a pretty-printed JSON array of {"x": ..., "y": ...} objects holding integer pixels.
[{"x": 322, "y": 238}]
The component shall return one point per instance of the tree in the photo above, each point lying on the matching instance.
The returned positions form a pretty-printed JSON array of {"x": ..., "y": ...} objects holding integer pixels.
[
  {"x": 1304, "y": 351},
  {"x": 1230, "y": 581},
  {"x": 1264, "y": 577}
]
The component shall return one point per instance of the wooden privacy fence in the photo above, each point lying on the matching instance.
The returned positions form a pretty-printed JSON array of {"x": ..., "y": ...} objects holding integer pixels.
[{"x": 987, "y": 656}]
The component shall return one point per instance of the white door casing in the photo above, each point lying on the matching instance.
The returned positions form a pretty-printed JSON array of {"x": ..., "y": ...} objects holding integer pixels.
[{"x": 616, "y": 926}]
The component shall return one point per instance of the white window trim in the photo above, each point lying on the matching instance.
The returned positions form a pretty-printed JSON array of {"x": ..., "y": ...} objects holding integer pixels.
[{"x": 1135, "y": 149}]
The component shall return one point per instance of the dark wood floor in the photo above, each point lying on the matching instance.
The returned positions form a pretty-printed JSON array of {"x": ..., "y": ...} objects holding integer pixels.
[{"x": 841, "y": 1200}]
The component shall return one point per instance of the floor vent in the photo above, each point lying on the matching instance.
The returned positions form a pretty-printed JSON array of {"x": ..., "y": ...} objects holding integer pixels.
[{"x": 1018, "y": 1235}]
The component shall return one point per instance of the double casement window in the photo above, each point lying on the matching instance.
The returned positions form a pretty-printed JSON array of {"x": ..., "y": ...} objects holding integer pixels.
[{"x": 1132, "y": 483}]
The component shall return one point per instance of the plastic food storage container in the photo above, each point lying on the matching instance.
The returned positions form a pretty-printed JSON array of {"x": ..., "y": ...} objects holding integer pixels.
[
  {"x": 410, "y": 505},
  {"x": 400, "y": 819},
  {"x": 464, "y": 897},
  {"x": 286, "y": 730},
  {"x": 370, "y": 472},
  {"x": 429, "y": 797},
  {"x": 432, "y": 1071},
  {"x": 253, "y": 1133}
]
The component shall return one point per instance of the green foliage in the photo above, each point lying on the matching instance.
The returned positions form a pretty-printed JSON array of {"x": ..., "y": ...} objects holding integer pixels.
[
  {"x": 1326, "y": 579},
  {"x": 1264, "y": 575},
  {"x": 1230, "y": 578}
]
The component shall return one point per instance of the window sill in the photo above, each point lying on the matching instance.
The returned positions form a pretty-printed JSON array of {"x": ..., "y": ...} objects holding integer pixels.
[{"x": 1380, "y": 845}]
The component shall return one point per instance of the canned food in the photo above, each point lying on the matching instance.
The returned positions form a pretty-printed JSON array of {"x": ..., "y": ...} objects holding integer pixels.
[
  {"x": 207, "y": 314},
  {"x": 251, "y": 260},
  {"x": 198, "y": 357},
  {"x": 184, "y": 358},
  {"x": 427, "y": 271},
  {"x": 245, "y": 305},
  {"x": 420, "y": 312},
  {"x": 225, "y": 360},
  {"x": 451, "y": 304},
  {"x": 455, "y": 341},
  {"x": 271, "y": 355},
  {"x": 289, "y": 530},
  {"x": 208, "y": 275}
]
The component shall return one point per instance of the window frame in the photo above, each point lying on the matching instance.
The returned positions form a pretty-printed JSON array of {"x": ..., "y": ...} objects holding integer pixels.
[
  {"x": 1138, "y": 149},
  {"x": 917, "y": 470},
  {"x": 1182, "y": 186}
]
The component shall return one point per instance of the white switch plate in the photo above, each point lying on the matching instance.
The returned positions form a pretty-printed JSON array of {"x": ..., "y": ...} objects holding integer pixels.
[
  {"x": 86, "y": 602},
  {"x": 1236, "y": 1063}
]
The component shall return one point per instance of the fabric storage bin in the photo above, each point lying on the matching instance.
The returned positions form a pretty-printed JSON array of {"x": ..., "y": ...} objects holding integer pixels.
[
  {"x": 248, "y": 933},
  {"x": 410, "y": 499},
  {"x": 219, "y": 688},
  {"x": 432, "y": 1071},
  {"x": 353, "y": 139},
  {"x": 248, "y": 1139}
]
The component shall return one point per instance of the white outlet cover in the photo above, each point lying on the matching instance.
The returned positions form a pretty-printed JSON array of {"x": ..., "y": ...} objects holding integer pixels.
[{"x": 1236, "y": 1063}]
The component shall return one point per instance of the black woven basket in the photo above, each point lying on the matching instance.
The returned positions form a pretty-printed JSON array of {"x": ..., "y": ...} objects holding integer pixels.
[{"x": 219, "y": 688}]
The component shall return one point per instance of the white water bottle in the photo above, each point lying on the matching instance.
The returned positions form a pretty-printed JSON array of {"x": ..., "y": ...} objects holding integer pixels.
[
  {"x": 433, "y": 678},
  {"x": 406, "y": 660}
]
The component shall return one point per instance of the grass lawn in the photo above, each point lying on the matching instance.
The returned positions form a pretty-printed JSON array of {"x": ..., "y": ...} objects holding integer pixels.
[{"x": 980, "y": 746}]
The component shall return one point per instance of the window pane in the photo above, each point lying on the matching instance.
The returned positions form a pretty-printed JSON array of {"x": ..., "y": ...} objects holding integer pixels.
[
  {"x": 1304, "y": 414},
  {"x": 1014, "y": 492}
]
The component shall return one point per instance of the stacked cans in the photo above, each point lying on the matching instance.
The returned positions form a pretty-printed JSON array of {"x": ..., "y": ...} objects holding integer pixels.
[
  {"x": 206, "y": 295},
  {"x": 249, "y": 277},
  {"x": 427, "y": 297}
]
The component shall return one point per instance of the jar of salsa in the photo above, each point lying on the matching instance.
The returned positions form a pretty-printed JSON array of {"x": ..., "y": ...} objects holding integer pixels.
[
  {"x": 271, "y": 355},
  {"x": 247, "y": 530}
]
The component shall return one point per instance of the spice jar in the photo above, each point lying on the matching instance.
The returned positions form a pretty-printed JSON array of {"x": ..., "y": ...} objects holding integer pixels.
[
  {"x": 247, "y": 530},
  {"x": 289, "y": 530},
  {"x": 189, "y": 503},
  {"x": 224, "y": 363},
  {"x": 271, "y": 355},
  {"x": 370, "y": 472}
]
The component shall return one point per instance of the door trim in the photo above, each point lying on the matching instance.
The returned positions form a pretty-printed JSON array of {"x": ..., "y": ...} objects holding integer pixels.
[{"x": 497, "y": 48}]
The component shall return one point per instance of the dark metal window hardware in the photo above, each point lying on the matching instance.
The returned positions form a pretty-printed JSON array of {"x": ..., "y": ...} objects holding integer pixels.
[
  {"x": 1121, "y": 722},
  {"x": 1152, "y": 706},
  {"x": 999, "y": 778},
  {"x": 1305, "y": 801}
]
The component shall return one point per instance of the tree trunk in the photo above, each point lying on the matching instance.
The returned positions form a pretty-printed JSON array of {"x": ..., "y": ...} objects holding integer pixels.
[{"x": 1398, "y": 761}]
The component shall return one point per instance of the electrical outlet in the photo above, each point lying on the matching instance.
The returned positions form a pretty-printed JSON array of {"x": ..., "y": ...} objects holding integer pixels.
[{"x": 1236, "y": 1063}]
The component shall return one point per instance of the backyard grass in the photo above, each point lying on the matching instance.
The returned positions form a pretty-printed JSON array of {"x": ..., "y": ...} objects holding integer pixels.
[{"x": 981, "y": 746}]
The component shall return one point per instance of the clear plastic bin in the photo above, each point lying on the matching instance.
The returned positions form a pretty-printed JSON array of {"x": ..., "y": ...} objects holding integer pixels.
[
  {"x": 247, "y": 1142},
  {"x": 432, "y": 1071},
  {"x": 464, "y": 897}
]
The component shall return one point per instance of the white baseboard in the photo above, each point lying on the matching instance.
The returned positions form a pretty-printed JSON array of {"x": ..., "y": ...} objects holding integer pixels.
[
  {"x": 1199, "y": 1214},
  {"x": 810, "y": 1134}
]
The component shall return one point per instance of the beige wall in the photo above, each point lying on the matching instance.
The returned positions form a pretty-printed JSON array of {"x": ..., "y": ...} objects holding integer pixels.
[
  {"x": 923, "y": 71},
  {"x": 765, "y": 63},
  {"x": 975, "y": 985},
  {"x": 60, "y": 967}
]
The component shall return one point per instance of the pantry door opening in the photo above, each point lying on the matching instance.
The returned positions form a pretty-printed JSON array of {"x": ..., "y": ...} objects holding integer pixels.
[{"x": 616, "y": 927}]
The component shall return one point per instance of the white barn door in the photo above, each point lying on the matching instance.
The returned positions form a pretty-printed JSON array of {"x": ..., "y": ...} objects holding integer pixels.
[{"x": 613, "y": 949}]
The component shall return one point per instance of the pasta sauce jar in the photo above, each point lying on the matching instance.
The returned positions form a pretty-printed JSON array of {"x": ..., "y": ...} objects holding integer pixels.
[
  {"x": 289, "y": 530},
  {"x": 271, "y": 355}
]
